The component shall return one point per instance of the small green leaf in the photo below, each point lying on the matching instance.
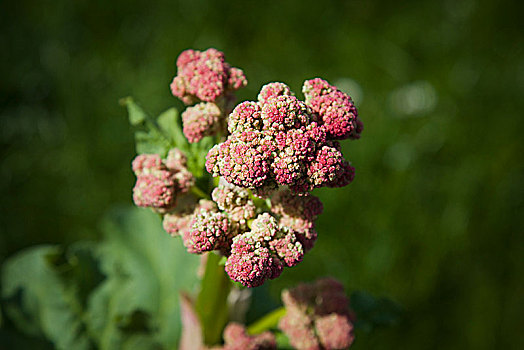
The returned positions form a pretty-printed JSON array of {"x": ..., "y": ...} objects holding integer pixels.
[
  {"x": 222, "y": 261},
  {"x": 149, "y": 142},
  {"x": 283, "y": 341},
  {"x": 169, "y": 122},
  {"x": 151, "y": 136},
  {"x": 136, "y": 114},
  {"x": 197, "y": 156}
]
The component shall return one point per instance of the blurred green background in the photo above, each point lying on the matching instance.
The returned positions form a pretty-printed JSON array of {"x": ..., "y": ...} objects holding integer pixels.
[{"x": 434, "y": 219}]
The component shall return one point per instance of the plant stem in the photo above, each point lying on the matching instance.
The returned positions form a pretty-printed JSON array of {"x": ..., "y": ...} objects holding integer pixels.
[{"x": 211, "y": 304}]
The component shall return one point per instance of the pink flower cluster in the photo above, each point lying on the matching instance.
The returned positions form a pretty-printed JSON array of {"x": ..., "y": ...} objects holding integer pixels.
[
  {"x": 177, "y": 221},
  {"x": 205, "y": 76},
  {"x": 210, "y": 225},
  {"x": 258, "y": 243},
  {"x": 262, "y": 252},
  {"x": 209, "y": 230},
  {"x": 279, "y": 148},
  {"x": 236, "y": 338},
  {"x": 202, "y": 119},
  {"x": 159, "y": 182},
  {"x": 339, "y": 114},
  {"x": 236, "y": 202},
  {"x": 282, "y": 141},
  {"x": 200, "y": 225},
  {"x": 265, "y": 242},
  {"x": 298, "y": 213},
  {"x": 318, "y": 316}
]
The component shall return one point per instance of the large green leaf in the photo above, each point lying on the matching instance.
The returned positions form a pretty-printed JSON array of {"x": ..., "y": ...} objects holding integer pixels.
[
  {"x": 119, "y": 294},
  {"x": 146, "y": 269},
  {"x": 44, "y": 290}
]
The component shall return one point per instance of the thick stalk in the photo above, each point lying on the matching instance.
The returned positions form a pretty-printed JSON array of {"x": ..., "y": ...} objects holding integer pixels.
[{"x": 211, "y": 304}]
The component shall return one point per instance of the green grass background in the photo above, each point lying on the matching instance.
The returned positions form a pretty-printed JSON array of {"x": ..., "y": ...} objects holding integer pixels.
[{"x": 434, "y": 218}]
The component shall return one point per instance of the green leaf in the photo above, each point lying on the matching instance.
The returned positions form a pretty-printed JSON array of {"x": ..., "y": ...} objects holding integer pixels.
[
  {"x": 197, "y": 156},
  {"x": 150, "y": 142},
  {"x": 40, "y": 300},
  {"x": 119, "y": 294},
  {"x": 223, "y": 261},
  {"x": 283, "y": 341},
  {"x": 136, "y": 114},
  {"x": 169, "y": 122},
  {"x": 150, "y": 137},
  {"x": 211, "y": 304},
  {"x": 146, "y": 269}
]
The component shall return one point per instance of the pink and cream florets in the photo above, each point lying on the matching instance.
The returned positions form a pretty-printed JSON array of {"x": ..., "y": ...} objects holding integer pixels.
[
  {"x": 273, "y": 90},
  {"x": 200, "y": 120},
  {"x": 235, "y": 201},
  {"x": 336, "y": 109},
  {"x": 262, "y": 252},
  {"x": 298, "y": 213},
  {"x": 209, "y": 230},
  {"x": 157, "y": 185},
  {"x": 282, "y": 141},
  {"x": 237, "y": 338},
  {"x": 318, "y": 316},
  {"x": 205, "y": 76}
]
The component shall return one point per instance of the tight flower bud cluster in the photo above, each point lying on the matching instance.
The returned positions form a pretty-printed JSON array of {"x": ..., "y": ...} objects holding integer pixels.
[
  {"x": 236, "y": 202},
  {"x": 209, "y": 230},
  {"x": 339, "y": 114},
  {"x": 205, "y": 77},
  {"x": 282, "y": 141},
  {"x": 160, "y": 182},
  {"x": 318, "y": 316},
  {"x": 272, "y": 240},
  {"x": 298, "y": 213},
  {"x": 262, "y": 253},
  {"x": 257, "y": 242},
  {"x": 236, "y": 338},
  {"x": 202, "y": 119}
]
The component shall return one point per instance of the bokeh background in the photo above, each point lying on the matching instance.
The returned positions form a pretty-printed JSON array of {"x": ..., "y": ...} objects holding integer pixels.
[{"x": 434, "y": 218}]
